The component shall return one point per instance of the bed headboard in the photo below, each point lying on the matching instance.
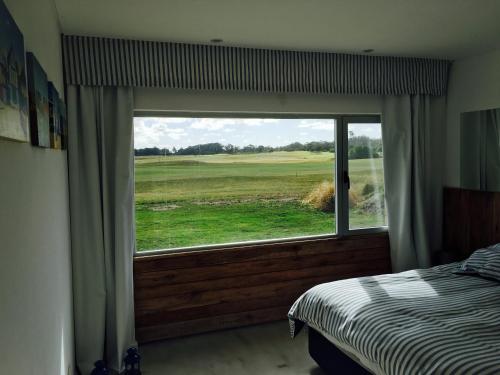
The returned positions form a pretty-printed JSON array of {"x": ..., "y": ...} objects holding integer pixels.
[{"x": 471, "y": 220}]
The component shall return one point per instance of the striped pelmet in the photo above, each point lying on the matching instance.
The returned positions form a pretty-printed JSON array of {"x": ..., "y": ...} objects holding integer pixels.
[
  {"x": 417, "y": 322},
  {"x": 117, "y": 62}
]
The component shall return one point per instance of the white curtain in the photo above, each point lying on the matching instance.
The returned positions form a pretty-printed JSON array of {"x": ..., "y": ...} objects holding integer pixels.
[
  {"x": 414, "y": 145},
  {"x": 100, "y": 157}
]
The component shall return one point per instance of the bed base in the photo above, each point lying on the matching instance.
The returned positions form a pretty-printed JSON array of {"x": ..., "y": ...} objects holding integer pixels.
[{"x": 331, "y": 359}]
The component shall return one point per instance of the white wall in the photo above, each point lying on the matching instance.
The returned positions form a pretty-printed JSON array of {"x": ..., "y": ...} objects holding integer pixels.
[
  {"x": 151, "y": 99},
  {"x": 474, "y": 85},
  {"x": 36, "y": 323}
]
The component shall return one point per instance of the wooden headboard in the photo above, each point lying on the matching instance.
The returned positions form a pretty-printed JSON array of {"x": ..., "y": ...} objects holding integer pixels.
[{"x": 471, "y": 220}]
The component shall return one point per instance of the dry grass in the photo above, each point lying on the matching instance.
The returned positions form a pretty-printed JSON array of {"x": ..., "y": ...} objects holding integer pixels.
[
  {"x": 323, "y": 197},
  {"x": 354, "y": 199}
]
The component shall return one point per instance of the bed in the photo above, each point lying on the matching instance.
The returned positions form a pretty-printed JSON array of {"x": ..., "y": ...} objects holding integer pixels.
[{"x": 441, "y": 320}]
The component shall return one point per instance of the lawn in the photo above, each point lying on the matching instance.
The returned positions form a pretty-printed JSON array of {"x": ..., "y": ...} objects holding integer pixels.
[{"x": 200, "y": 200}]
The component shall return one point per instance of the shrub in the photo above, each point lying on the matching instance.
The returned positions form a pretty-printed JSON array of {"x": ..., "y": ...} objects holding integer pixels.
[
  {"x": 359, "y": 152},
  {"x": 322, "y": 197},
  {"x": 374, "y": 205},
  {"x": 368, "y": 189}
]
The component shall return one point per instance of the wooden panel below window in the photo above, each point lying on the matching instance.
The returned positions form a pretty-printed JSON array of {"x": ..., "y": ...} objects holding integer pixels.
[{"x": 198, "y": 291}]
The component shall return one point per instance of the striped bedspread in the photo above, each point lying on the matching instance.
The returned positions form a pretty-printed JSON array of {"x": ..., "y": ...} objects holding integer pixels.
[{"x": 429, "y": 321}]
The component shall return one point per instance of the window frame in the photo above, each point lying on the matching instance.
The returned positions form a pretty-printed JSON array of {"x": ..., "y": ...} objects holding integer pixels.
[
  {"x": 340, "y": 165},
  {"x": 342, "y": 139}
]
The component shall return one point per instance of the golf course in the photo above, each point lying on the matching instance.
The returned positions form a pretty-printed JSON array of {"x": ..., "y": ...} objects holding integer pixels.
[{"x": 192, "y": 200}]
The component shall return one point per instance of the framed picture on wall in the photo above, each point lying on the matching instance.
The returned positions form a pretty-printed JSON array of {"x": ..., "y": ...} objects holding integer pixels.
[
  {"x": 38, "y": 93},
  {"x": 64, "y": 125},
  {"x": 13, "y": 91},
  {"x": 54, "y": 118}
]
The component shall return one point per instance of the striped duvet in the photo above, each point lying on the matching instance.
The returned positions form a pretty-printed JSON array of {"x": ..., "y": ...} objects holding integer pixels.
[{"x": 428, "y": 321}]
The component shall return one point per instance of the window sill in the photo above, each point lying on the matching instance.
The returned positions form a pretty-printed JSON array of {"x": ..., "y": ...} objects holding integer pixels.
[{"x": 355, "y": 233}]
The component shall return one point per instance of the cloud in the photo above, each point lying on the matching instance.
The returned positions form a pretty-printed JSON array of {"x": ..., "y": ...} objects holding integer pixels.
[
  {"x": 210, "y": 124},
  {"x": 258, "y": 121},
  {"x": 317, "y": 124},
  {"x": 175, "y": 133},
  {"x": 213, "y": 124},
  {"x": 373, "y": 131},
  {"x": 172, "y": 120},
  {"x": 160, "y": 120},
  {"x": 155, "y": 131}
]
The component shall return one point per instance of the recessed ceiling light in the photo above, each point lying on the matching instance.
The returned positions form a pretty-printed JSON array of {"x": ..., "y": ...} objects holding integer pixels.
[
  {"x": 216, "y": 40},
  {"x": 369, "y": 50}
]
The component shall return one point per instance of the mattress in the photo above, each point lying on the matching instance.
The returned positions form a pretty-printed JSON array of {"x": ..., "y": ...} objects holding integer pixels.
[{"x": 429, "y": 321}]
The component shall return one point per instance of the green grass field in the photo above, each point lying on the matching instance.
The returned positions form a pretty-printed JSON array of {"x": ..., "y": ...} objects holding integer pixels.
[{"x": 210, "y": 199}]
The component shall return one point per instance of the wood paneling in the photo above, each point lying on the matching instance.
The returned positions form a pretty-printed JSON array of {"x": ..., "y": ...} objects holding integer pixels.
[
  {"x": 471, "y": 220},
  {"x": 198, "y": 291}
]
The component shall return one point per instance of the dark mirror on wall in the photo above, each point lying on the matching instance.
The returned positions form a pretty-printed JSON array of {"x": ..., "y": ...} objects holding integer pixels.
[{"x": 480, "y": 150}]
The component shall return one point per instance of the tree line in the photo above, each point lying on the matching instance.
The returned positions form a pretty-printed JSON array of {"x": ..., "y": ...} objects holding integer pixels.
[{"x": 360, "y": 147}]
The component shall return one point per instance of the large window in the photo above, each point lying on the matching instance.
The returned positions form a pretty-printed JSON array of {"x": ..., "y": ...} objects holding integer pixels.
[{"x": 203, "y": 181}]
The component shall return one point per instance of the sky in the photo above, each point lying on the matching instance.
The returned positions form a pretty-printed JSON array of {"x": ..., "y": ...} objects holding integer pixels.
[{"x": 178, "y": 132}]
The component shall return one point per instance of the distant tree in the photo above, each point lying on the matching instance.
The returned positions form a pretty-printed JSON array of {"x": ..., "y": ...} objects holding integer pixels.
[
  {"x": 202, "y": 149},
  {"x": 295, "y": 146},
  {"x": 362, "y": 152},
  {"x": 320, "y": 146},
  {"x": 363, "y": 147},
  {"x": 250, "y": 149},
  {"x": 149, "y": 151},
  {"x": 359, "y": 152},
  {"x": 360, "y": 147}
]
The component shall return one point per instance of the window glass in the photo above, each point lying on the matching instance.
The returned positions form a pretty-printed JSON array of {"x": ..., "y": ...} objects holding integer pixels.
[
  {"x": 366, "y": 175},
  {"x": 206, "y": 181}
]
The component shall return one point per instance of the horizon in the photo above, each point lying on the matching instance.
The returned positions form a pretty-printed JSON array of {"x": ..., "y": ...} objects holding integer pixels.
[{"x": 181, "y": 132}]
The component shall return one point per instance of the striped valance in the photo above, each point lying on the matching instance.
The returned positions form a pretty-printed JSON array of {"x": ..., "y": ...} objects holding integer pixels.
[{"x": 118, "y": 62}]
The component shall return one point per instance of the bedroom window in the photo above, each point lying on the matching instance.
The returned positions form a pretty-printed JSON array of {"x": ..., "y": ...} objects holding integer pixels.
[{"x": 212, "y": 181}]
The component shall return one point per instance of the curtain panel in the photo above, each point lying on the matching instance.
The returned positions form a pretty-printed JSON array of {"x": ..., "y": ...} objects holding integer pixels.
[
  {"x": 413, "y": 137},
  {"x": 94, "y": 61},
  {"x": 101, "y": 182}
]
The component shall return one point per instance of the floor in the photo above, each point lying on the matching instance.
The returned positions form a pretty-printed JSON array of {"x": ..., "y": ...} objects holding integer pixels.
[{"x": 263, "y": 349}]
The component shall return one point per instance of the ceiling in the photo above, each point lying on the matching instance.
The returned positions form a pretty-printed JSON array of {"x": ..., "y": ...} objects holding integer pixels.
[{"x": 421, "y": 28}]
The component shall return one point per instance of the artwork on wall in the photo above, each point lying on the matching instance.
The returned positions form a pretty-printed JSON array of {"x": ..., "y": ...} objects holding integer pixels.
[
  {"x": 64, "y": 125},
  {"x": 38, "y": 93},
  {"x": 13, "y": 91},
  {"x": 54, "y": 118}
]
